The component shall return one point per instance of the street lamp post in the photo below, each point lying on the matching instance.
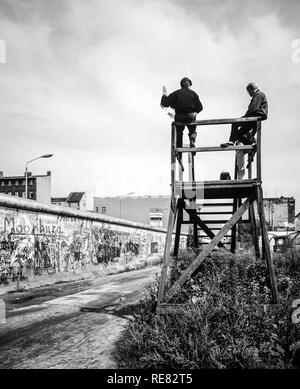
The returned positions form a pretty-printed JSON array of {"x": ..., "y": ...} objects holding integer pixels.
[
  {"x": 26, "y": 171},
  {"x": 128, "y": 194}
]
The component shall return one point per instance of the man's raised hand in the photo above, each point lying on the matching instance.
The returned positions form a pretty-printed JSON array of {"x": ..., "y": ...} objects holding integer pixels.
[{"x": 164, "y": 91}]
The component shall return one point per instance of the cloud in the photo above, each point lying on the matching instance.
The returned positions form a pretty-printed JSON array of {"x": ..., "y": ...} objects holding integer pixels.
[{"x": 83, "y": 80}]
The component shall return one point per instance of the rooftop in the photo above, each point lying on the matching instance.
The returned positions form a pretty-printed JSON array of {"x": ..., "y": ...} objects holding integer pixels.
[
  {"x": 58, "y": 199},
  {"x": 75, "y": 197}
]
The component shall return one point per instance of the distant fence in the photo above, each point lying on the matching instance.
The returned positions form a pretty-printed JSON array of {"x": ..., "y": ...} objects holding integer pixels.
[{"x": 42, "y": 244}]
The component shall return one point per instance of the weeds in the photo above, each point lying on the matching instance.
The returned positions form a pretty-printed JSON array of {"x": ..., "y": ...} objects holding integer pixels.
[{"x": 224, "y": 323}]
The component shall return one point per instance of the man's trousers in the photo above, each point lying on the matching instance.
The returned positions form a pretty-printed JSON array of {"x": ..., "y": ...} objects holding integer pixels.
[
  {"x": 185, "y": 118},
  {"x": 244, "y": 133}
]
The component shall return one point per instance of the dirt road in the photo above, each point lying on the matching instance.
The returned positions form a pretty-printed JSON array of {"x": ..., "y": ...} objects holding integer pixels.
[{"x": 70, "y": 325}]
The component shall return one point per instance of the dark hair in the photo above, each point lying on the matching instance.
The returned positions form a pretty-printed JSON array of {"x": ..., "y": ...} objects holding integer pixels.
[{"x": 183, "y": 82}]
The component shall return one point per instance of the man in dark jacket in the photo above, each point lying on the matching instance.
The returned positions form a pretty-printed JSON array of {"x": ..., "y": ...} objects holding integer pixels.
[
  {"x": 258, "y": 107},
  {"x": 186, "y": 104}
]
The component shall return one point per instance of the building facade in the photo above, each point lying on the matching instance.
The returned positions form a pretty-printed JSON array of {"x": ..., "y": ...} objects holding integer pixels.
[
  {"x": 76, "y": 200},
  {"x": 39, "y": 186},
  {"x": 151, "y": 210},
  {"x": 297, "y": 222},
  {"x": 61, "y": 201},
  {"x": 279, "y": 212}
]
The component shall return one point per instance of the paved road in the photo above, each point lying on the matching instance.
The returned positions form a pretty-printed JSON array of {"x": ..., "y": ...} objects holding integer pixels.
[{"x": 71, "y": 325}]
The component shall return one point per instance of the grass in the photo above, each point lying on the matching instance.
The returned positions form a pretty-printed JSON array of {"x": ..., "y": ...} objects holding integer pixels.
[{"x": 225, "y": 323}]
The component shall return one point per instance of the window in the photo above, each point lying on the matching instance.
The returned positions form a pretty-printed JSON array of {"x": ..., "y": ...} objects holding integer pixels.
[
  {"x": 9, "y": 183},
  {"x": 23, "y": 194},
  {"x": 30, "y": 182},
  {"x": 154, "y": 247},
  {"x": 2, "y": 183},
  {"x": 103, "y": 210},
  {"x": 97, "y": 209},
  {"x": 17, "y": 183}
]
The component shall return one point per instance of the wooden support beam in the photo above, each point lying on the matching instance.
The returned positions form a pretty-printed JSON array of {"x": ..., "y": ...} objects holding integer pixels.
[
  {"x": 215, "y": 228},
  {"x": 252, "y": 217},
  {"x": 224, "y": 244},
  {"x": 214, "y": 213},
  {"x": 266, "y": 245},
  {"x": 192, "y": 203},
  {"x": 221, "y": 221},
  {"x": 236, "y": 188},
  {"x": 206, "y": 236},
  {"x": 171, "y": 221},
  {"x": 254, "y": 231},
  {"x": 233, "y": 230},
  {"x": 234, "y": 208},
  {"x": 207, "y": 250},
  {"x": 173, "y": 164},
  {"x": 178, "y": 226},
  {"x": 191, "y": 166},
  {"x": 258, "y": 157},
  {"x": 213, "y": 148},
  {"x": 164, "y": 271},
  {"x": 216, "y": 205},
  {"x": 195, "y": 230},
  {"x": 202, "y": 225},
  {"x": 209, "y": 122}
]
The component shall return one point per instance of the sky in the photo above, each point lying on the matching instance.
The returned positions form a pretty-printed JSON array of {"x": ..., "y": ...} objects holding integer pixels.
[{"x": 82, "y": 79}]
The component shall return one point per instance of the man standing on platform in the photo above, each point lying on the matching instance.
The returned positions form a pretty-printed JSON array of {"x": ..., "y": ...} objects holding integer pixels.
[
  {"x": 186, "y": 104},
  {"x": 258, "y": 107}
]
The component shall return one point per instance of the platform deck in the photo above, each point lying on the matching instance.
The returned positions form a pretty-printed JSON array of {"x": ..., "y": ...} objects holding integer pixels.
[{"x": 215, "y": 189}]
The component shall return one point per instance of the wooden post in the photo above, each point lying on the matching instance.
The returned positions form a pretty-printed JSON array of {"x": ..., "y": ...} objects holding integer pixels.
[
  {"x": 234, "y": 208},
  {"x": 195, "y": 228},
  {"x": 193, "y": 203},
  {"x": 254, "y": 231},
  {"x": 173, "y": 163},
  {"x": 266, "y": 245},
  {"x": 233, "y": 230},
  {"x": 172, "y": 215},
  {"x": 258, "y": 157},
  {"x": 253, "y": 220},
  {"x": 178, "y": 226},
  {"x": 249, "y": 167},
  {"x": 164, "y": 271}
]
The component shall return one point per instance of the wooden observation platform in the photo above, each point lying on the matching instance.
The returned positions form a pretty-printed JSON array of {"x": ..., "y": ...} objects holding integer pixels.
[{"x": 194, "y": 202}]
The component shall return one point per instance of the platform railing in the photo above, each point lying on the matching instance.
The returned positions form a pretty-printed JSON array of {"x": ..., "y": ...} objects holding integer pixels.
[{"x": 176, "y": 152}]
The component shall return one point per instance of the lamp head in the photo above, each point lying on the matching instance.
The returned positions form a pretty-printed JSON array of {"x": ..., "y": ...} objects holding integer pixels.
[{"x": 46, "y": 155}]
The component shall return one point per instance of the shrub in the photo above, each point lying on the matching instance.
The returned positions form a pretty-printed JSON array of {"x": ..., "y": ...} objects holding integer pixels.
[{"x": 223, "y": 323}]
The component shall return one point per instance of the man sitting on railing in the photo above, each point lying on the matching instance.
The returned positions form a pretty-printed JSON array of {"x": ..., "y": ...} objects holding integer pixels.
[
  {"x": 186, "y": 104},
  {"x": 258, "y": 107}
]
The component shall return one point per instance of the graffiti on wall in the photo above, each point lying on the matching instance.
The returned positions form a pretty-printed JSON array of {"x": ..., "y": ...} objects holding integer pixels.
[{"x": 33, "y": 244}]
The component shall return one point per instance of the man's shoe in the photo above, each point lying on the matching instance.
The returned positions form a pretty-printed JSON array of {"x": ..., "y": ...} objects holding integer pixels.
[{"x": 227, "y": 144}]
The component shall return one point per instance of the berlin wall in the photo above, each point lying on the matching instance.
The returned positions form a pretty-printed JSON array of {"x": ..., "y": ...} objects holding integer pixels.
[{"x": 41, "y": 244}]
